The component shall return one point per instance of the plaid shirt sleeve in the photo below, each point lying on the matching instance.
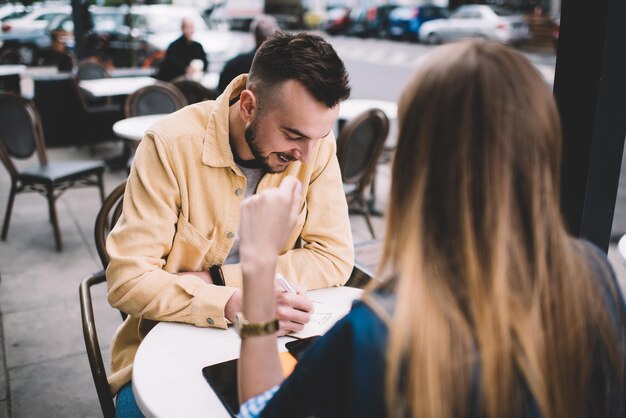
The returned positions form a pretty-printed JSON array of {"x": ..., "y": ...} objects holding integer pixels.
[{"x": 253, "y": 407}]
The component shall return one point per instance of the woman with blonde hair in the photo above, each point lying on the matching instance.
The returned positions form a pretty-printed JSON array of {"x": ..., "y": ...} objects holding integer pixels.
[{"x": 492, "y": 310}]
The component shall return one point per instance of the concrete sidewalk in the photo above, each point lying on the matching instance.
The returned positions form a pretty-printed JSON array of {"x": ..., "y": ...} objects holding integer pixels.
[{"x": 44, "y": 370}]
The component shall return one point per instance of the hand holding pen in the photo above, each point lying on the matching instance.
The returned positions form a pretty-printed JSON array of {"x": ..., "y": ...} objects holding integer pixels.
[{"x": 293, "y": 308}]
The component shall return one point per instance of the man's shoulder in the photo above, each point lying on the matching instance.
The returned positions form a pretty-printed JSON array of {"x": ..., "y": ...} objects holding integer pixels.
[
  {"x": 176, "y": 42},
  {"x": 188, "y": 123}
]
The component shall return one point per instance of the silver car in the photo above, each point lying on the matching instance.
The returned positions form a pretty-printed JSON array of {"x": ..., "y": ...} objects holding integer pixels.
[{"x": 478, "y": 21}]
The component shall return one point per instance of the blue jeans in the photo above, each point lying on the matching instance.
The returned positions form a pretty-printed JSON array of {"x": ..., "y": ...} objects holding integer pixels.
[{"x": 125, "y": 404}]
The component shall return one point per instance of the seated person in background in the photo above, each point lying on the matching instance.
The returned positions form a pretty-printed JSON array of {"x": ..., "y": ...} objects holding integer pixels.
[
  {"x": 492, "y": 309},
  {"x": 181, "y": 53},
  {"x": 262, "y": 27},
  {"x": 175, "y": 249}
]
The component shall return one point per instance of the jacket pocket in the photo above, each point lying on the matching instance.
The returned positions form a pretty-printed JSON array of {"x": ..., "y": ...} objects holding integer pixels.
[{"x": 188, "y": 248}]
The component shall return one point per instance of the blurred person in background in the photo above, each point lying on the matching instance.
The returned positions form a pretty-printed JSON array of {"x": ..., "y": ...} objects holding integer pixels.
[
  {"x": 492, "y": 309},
  {"x": 181, "y": 53},
  {"x": 262, "y": 27}
]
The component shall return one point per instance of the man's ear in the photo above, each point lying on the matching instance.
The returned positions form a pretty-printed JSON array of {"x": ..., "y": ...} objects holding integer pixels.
[{"x": 247, "y": 105}]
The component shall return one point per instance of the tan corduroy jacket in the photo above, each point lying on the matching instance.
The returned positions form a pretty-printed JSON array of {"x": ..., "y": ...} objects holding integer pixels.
[{"x": 181, "y": 212}]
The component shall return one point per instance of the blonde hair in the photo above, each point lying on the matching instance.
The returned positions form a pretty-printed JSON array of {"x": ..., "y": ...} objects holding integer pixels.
[{"x": 496, "y": 305}]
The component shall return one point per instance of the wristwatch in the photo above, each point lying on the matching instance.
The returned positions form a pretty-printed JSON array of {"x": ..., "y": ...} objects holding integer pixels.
[
  {"x": 215, "y": 271},
  {"x": 258, "y": 329}
]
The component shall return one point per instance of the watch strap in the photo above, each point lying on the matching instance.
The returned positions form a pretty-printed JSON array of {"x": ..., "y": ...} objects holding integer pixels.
[
  {"x": 217, "y": 276},
  {"x": 256, "y": 329}
]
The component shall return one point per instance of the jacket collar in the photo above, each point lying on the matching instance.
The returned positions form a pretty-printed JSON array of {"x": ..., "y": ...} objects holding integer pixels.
[{"x": 216, "y": 151}]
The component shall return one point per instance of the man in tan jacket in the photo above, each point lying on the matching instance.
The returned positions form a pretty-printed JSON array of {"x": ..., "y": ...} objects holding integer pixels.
[{"x": 174, "y": 251}]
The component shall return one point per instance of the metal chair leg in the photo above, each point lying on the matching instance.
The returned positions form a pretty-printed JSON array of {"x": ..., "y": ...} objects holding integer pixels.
[
  {"x": 53, "y": 217},
  {"x": 101, "y": 187},
  {"x": 7, "y": 214},
  {"x": 369, "y": 223}
]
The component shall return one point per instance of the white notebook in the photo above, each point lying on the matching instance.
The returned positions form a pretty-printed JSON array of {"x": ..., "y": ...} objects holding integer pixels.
[{"x": 323, "y": 318}]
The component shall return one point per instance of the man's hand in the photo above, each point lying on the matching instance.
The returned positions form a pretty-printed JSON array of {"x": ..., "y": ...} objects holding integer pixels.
[
  {"x": 233, "y": 306},
  {"x": 293, "y": 311}
]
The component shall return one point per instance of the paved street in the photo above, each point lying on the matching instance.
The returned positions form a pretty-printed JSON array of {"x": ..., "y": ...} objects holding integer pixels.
[{"x": 44, "y": 370}]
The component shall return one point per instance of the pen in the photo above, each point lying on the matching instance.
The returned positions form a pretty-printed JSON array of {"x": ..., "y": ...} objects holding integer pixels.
[{"x": 284, "y": 283}]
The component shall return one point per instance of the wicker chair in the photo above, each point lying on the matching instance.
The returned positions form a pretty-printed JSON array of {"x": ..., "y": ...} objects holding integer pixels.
[
  {"x": 359, "y": 146},
  {"x": 92, "y": 345},
  {"x": 105, "y": 221},
  {"x": 91, "y": 69},
  {"x": 158, "y": 98},
  {"x": 21, "y": 135}
]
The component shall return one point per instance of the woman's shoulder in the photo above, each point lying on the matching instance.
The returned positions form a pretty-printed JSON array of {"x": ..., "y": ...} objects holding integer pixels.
[{"x": 376, "y": 306}]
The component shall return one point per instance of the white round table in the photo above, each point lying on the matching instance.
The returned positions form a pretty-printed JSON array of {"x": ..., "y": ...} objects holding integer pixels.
[
  {"x": 167, "y": 372},
  {"x": 12, "y": 69},
  {"x": 134, "y": 128}
]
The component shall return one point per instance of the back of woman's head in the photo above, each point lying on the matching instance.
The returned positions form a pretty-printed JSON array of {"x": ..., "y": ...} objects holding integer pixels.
[{"x": 489, "y": 282}]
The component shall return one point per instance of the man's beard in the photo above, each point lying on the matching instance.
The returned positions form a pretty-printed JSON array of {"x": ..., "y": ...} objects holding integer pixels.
[{"x": 252, "y": 140}]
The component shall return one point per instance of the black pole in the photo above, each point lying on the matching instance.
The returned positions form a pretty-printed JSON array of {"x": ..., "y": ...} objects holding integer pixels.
[
  {"x": 590, "y": 89},
  {"x": 80, "y": 16}
]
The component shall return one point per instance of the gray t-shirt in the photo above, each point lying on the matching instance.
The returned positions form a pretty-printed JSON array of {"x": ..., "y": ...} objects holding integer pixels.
[{"x": 253, "y": 176}]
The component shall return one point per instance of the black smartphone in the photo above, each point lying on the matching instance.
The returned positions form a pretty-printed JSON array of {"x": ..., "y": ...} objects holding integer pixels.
[
  {"x": 223, "y": 379},
  {"x": 298, "y": 347}
]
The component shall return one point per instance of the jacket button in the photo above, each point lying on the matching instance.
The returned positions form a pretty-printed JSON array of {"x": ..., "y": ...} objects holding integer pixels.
[
  {"x": 238, "y": 192},
  {"x": 210, "y": 321},
  {"x": 230, "y": 235}
]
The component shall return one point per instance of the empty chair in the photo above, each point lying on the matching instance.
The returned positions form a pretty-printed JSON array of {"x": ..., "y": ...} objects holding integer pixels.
[
  {"x": 21, "y": 136},
  {"x": 158, "y": 98},
  {"x": 359, "y": 145},
  {"x": 91, "y": 69},
  {"x": 194, "y": 92},
  {"x": 98, "y": 371}
]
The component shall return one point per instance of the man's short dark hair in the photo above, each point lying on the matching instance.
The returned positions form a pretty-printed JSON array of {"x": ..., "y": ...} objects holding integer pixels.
[{"x": 302, "y": 57}]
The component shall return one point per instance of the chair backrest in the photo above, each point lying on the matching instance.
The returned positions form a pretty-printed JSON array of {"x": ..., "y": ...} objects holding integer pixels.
[
  {"x": 161, "y": 97},
  {"x": 359, "y": 145},
  {"x": 105, "y": 221},
  {"x": 20, "y": 132},
  {"x": 194, "y": 92},
  {"x": 90, "y": 335},
  {"x": 91, "y": 69}
]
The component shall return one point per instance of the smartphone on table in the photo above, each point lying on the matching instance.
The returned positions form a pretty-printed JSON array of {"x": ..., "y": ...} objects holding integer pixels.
[{"x": 222, "y": 377}]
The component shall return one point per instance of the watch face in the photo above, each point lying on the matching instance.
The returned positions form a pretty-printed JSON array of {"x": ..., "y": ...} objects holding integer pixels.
[{"x": 240, "y": 322}]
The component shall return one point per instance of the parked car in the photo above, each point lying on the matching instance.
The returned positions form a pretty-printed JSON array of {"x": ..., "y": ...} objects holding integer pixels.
[
  {"x": 481, "y": 21},
  {"x": 405, "y": 22},
  {"x": 370, "y": 21},
  {"x": 143, "y": 33},
  {"x": 160, "y": 25},
  {"x": 29, "y": 35},
  {"x": 13, "y": 11},
  {"x": 337, "y": 20},
  {"x": 108, "y": 39}
]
